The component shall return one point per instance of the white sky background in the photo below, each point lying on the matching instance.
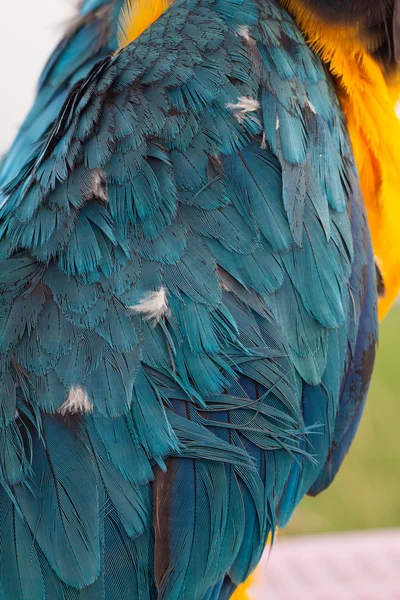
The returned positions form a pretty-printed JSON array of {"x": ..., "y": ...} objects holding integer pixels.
[{"x": 29, "y": 30}]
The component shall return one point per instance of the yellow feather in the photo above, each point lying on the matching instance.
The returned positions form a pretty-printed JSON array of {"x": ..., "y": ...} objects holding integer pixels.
[
  {"x": 369, "y": 103},
  {"x": 136, "y": 16},
  {"x": 241, "y": 591},
  {"x": 256, "y": 579}
]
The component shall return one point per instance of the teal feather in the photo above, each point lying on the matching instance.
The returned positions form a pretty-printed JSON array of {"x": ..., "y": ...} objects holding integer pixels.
[
  {"x": 256, "y": 187},
  {"x": 123, "y": 446},
  {"x": 56, "y": 335},
  {"x": 84, "y": 358},
  {"x": 131, "y": 502},
  {"x": 9, "y": 398},
  {"x": 21, "y": 316},
  {"x": 117, "y": 329},
  {"x": 20, "y": 572},
  {"x": 15, "y": 457},
  {"x": 71, "y": 545},
  {"x": 109, "y": 383},
  {"x": 47, "y": 391},
  {"x": 125, "y": 571},
  {"x": 68, "y": 293}
]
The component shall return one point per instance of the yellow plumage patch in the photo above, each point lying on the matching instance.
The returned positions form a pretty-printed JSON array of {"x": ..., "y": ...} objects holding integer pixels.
[
  {"x": 136, "y": 16},
  {"x": 242, "y": 591},
  {"x": 369, "y": 103}
]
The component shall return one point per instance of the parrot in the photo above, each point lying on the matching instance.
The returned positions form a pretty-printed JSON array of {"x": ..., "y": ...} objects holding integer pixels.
[{"x": 198, "y": 235}]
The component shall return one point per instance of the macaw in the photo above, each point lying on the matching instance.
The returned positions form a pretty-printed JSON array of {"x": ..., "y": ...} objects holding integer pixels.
[{"x": 188, "y": 287}]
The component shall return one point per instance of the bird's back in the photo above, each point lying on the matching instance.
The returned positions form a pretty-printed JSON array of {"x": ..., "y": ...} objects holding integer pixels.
[{"x": 187, "y": 305}]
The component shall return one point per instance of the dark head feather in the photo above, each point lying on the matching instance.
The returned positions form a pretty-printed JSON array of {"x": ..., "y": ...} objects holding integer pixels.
[
  {"x": 351, "y": 12},
  {"x": 396, "y": 31},
  {"x": 378, "y": 20}
]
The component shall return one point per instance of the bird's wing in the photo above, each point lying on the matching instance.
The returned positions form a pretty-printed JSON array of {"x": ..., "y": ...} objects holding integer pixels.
[
  {"x": 360, "y": 358},
  {"x": 91, "y": 36},
  {"x": 180, "y": 301}
]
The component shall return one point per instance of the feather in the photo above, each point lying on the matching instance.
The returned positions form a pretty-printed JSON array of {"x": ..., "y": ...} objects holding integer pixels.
[
  {"x": 130, "y": 502},
  {"x": 20, "y": 572},
  {"x": 63, "y": 479},
  {"x": 255, "y": 182}
]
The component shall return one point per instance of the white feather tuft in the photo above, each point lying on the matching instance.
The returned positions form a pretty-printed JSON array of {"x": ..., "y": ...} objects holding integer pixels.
[
  {"x": 243, "y": 107},
  {"x": 153, "y": 305},
  {"x": 311, "y": 106},
  {"x": 77, "y": 402},
  {"x": 263, "y": 144},
  {"x": 99, "y": 185},
  {"x": 244, "y": 32}
]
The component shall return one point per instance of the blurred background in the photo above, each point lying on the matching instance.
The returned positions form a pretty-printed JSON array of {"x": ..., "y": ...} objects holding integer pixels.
[{"x": 366, "y": 493}]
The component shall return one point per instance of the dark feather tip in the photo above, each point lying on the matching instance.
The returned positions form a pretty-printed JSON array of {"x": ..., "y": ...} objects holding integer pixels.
[
  {"x": 396, "y": 31},
  {"x": 380, "y": 284}
]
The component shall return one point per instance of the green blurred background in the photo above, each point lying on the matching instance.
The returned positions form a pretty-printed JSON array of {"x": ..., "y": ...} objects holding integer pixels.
[{"x": 366, "y": 492}]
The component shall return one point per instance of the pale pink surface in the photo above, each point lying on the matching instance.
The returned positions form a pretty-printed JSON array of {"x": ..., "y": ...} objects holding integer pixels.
[{"x": 351, "y": 566}]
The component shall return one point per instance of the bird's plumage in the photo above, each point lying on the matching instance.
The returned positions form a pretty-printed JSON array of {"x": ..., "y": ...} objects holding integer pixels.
[
  {"x": 367, "y": 83},
  {"x": 91, "y": 36},
  {"x": 185, "y": 259}
]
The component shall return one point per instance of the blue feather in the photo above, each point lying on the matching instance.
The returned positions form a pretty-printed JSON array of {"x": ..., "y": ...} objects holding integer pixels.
[
  {"x": 20, "y": 572},
  {"x": 63, "y": 478}
]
